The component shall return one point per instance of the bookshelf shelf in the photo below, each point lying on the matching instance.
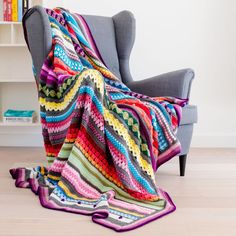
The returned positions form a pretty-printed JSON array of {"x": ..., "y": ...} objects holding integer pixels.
[
  {"x": 10, "y": 22},
  {"x": 16, "y": 80},
  {"x": 12, "y": 45},
  {"x": 15, "y": 124}
]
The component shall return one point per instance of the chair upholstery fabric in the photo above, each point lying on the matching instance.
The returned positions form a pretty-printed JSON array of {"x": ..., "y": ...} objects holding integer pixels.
[
  {"x": 175, "y": 84},
  {"x": 189, "y": 115},
  {"x": 102, "y": 29}
]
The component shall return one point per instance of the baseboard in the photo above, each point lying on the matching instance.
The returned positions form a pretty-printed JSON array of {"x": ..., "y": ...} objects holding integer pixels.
[
  {"x": 34, "y": 139},
  {"x": 27, "y": 139},
  {"x": 214, "y": 140}
]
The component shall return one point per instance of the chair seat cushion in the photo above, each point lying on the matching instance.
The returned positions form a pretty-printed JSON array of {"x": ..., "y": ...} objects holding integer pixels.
[{"x": 189, "y": 115}]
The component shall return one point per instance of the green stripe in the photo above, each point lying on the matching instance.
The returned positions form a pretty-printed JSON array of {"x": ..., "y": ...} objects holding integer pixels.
[
  {"x": 65, "y": 150},
  {"x": 96, "y": 178}
]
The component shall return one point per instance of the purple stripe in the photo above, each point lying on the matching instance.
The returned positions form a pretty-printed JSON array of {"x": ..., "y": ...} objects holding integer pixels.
[
  {"x": 170, "y": 153},
  {"x": 98, "y": 216},
  {"x": 144, "y": 221},
  {"x": 92, "y": 41}
]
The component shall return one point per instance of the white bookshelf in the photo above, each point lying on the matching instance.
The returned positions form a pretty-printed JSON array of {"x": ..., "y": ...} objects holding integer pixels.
[
  {"x": 17, "y": 124},
  {"x": 17, "y": 84}
]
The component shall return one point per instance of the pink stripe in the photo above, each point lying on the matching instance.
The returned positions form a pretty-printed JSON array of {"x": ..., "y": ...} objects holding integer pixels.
[
  {"x": 130, "y": 206},
  {"x": 57, "y": 166},
  {"x": 162, "y": 122},
  {"x": 88, "y": 105},
  {"x": 92, "y": 53},
  {"x": 130, "y": 178},
  {"x": 79, "y": 184},
  {"x": 170, "y": 207}
]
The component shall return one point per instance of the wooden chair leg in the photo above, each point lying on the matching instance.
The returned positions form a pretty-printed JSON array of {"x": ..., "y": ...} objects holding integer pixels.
[{"x": 182, "y": 164}]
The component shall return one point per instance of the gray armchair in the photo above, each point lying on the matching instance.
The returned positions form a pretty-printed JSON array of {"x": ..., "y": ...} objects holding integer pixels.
[{"x": 114, "y": 37}]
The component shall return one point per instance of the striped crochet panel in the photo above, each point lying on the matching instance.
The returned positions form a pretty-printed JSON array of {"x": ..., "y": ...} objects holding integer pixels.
[{"x": 104, "y": 142}]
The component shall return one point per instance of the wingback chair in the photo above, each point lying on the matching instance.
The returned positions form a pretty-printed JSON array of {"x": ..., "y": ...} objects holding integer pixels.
[{"x": 114, "y": 37}]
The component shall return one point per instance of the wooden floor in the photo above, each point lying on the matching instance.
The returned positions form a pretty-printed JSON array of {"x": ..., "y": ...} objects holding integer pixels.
[{"x": 205, "y": 199}]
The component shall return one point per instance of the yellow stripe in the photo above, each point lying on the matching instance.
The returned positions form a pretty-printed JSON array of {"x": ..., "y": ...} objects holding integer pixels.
[
  {"x": 117, "y": 125},
  {"x": 54, "y": 177},
  {"x": 42, "y": 170},
  {"x": 68, "y": 192},
  {"x": 94, "y": 75},
  {"x": 103, "y": 71},
  {"x": 125, "y": 211},
  {"x": 61, "y": 106},
  {"x": 59, "y": 32}
]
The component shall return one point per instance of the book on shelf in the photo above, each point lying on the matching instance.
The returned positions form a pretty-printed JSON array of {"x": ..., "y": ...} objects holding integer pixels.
[
  {"x": 8, "y": 10},
  {"x": 4, "y": 10},
  {"x": 25, "y": 6},
  {"x": 20, "y": 116},
  {"x": 13, "y": 10},
  {"x": 20, "y": 10}
]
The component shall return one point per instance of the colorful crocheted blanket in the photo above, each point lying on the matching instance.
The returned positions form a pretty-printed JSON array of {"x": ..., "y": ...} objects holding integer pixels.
[{"x": 104, "y": 142}]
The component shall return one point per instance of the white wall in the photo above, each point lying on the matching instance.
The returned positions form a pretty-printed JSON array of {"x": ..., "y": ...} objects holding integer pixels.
[{"x": 200, "y": 34}]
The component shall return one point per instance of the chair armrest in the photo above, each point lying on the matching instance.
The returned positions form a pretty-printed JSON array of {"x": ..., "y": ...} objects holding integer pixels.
[{"x": 174, "y": 84}]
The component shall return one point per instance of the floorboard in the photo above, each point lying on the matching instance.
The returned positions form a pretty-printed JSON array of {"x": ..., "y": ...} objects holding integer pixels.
[{"x": 205, "y": 199}]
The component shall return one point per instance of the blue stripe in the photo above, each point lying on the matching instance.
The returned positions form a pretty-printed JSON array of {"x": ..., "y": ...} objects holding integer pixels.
[
  {"x": 70, "y": 19},
  {"x": 90, "y": 91},
  {"x": 62, "y": 28},
  {"x": 118, "y": 96},
  {"x": 73, "y": 64},
  {"x": 60, "y": 117},
  {"x": 163, "y": 144},
  {"x": 163, "y": 110},
  {"x": 133, "y": 170}
]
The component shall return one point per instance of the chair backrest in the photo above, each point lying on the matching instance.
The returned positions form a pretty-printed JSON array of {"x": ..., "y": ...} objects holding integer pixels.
[{"x": 114, "y": 37}]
